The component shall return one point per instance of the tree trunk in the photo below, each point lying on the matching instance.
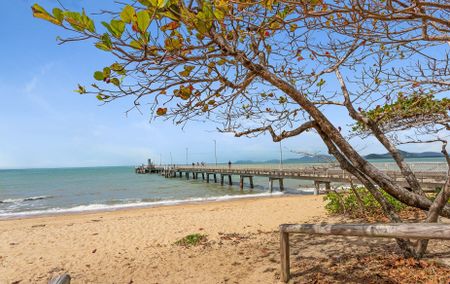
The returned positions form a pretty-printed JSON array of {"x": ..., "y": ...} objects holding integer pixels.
[{"x": 340, "y": 148}]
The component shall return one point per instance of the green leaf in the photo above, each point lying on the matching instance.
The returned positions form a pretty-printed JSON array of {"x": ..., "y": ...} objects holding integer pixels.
[
  {"x": 219, "y": 14},
  {"x": 162, "y": 3},
  {"x": 136, "y": 45},
  {"x": 187, "y": 70},
  {"x": 172, "y": 44},
  {"x": 58, "y": 14},
  {"x": 41, "y": 13},
  {"x": 107, "y": 41},
  {"x": 118, "y": 27},
  {"x": 320, "y": 83},
  {"x": 221, "y": 62},
  {"x": 102, "y": 46},
  {"x": 293, "y": 27},
  {"x": 106, "y": 72},
  {"x": 87, "y": 22},
  {"x": 127, "y": 14},
  {"x": 75, "y": 20},
  {"x": 81, "y": 89},
  {"x": 115, "y": 81},
  {"x": 98, "y": 76},
  {"x": 143, "y": 20},
  {"x": 119, "y": 69}
]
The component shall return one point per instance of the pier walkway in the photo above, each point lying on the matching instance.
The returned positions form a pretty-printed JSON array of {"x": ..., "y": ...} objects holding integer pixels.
[{"x": 429, "y": 179}]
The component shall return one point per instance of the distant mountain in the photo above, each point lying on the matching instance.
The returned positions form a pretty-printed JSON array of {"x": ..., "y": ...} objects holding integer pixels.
[
  {"x": 306, "y": 159},
  {"x": 328, "y": 158},
  {"x": 406, "y": 155}
]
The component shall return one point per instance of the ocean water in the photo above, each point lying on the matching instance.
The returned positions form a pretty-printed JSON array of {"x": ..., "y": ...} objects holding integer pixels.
[
  {"x": 28, "y": 192},
  {"x": 48, "y": 191}
]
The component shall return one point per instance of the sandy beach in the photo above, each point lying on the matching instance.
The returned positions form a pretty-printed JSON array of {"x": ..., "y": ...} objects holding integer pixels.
[{"x": 137, "y": 245}]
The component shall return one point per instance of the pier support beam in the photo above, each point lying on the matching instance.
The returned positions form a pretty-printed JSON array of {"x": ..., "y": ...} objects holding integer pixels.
[
  {"x": 241, "y": 181},
  {"x": 213, "y": 174},
  {"x": 280, "y": 182},
  {"x": 222, "y": 176},
  {"x": 187, "y": 175},
  {"x": 327, "y": 186},
  {"x": 316, "y": 187}
]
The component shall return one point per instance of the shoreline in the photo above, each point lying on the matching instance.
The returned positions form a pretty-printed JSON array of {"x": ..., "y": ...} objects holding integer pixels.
[{"x": 144, "y": 205}]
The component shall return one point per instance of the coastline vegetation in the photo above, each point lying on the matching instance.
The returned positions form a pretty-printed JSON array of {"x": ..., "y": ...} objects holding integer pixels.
[{"x": 358, "y": 203}]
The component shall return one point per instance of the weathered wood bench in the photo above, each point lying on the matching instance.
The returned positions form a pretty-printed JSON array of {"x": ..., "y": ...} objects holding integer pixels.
[{"x": 401, "y": 230}]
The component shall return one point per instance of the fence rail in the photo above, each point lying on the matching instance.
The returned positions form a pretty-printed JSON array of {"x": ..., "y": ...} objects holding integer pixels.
[{"x": 408, "y": 230}]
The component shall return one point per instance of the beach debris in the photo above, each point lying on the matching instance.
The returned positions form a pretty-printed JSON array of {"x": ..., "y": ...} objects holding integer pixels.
[
  {"x": 37, "y": 226},
  {"x": 94, "y": 251},
  {"x": 235, "y": 238},
  {"x": 61, "y": 279}
]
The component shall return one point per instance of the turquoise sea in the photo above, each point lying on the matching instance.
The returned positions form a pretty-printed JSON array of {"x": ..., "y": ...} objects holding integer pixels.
[
  {"x": 47, "y": 191},
  {"x": 26, "y": 192}
]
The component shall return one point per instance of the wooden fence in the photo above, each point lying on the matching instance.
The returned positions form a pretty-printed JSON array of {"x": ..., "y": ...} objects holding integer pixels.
[{"x": 401, "y": 230}]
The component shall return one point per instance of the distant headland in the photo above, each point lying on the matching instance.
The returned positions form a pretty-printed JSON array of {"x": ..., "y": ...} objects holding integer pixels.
[
  {"x": 328, "y": 158},
  {"x": 406, "y": 155}
]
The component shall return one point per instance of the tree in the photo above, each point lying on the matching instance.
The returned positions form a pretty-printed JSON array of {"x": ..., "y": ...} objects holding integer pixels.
[{"x": 279, "y": 67}]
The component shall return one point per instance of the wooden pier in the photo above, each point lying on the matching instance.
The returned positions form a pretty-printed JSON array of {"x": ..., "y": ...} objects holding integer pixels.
[{"x": 430, "y": 180}]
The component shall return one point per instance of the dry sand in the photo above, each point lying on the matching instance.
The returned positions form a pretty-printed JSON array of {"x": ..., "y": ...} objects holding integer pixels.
[{"x": 137, "y": 244}]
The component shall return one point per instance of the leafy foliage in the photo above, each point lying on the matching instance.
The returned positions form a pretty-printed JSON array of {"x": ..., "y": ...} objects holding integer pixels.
[
  {"x": 191, "y": 240},
  {"x": 357, "y": 203},
  {"x": 406, "y": 112}
]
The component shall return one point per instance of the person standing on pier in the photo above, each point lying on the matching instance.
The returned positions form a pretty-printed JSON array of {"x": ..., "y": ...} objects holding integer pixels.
[{"x": 229, "y": 164}]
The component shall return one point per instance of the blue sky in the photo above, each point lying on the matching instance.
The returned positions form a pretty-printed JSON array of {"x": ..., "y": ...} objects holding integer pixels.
[{"x": 43, "y": 123}]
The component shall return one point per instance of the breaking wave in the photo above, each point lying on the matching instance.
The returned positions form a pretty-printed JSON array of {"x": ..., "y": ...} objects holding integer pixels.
[
  {"x": 138, "y": 204},
  {"x": 20, "y": 200}
]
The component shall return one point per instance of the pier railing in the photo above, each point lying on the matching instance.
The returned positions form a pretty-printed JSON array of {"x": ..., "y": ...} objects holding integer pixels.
[
  {"x": 385, "y": 166},
  {"x": 430, "y": 178}
]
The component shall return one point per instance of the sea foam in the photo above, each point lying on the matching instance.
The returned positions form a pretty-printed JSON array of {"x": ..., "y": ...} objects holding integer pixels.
[
  {"x": 140, "y": 204},
  {"x": 19, "y": 200}
]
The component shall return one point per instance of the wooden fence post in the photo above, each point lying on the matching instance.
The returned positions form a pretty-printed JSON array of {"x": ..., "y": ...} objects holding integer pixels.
[{"x": 284, "y": 252}]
